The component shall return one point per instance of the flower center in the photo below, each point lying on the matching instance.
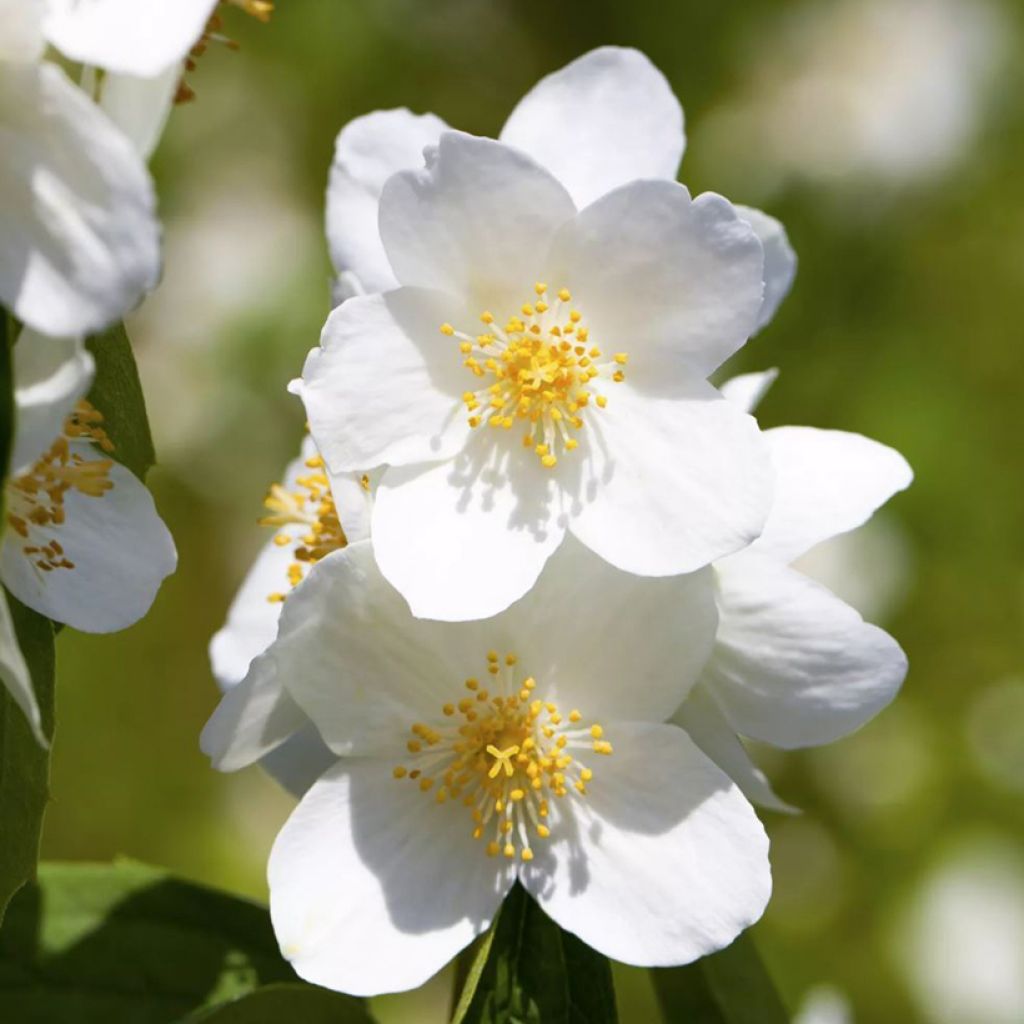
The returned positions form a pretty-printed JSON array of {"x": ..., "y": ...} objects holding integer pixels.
[
  {"x": 35, "y": 499},
  {"x": 311, "y": 508},
  {"x": 542, "y": 370},
  {"x": 504, "y": 756}
]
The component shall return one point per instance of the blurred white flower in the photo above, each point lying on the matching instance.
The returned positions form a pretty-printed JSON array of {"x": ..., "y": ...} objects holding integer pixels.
[
  {"x": 80, "y": 542},
  {"x": 793, "y": 665},
  {"x": 540, "y": 766},
  {"x": 863, "y": 89},
  {"x": 995, "y": 734},
  {"x": 824, "y": 1004}
]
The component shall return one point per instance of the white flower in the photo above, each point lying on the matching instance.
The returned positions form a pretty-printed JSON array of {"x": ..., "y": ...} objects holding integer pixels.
[
  {"x": 80, "y": 243},
  {"x": 530, "y": 745},
  {"x": 80, "y": 541},
  {"x": 312, "y": 517},
  {"x": 793, "y": 665},
  {"x": 494, "y": 382}
]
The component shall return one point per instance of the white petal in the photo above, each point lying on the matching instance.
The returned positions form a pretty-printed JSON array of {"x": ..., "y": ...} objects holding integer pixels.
[
  {"x": 299, "y": 761},
  {"x": 50, "y": 376},
  {"x": 253, "y": 718},
  {"x": 617, "y": 648},
  {"x": 747, "y": 390},
  {"x": 385, "y": 385},
  {"x": 705, "y": 724},
  {"x": 22, "y": 35},
  {"x": 607, "y": 118},
  {"x": 779, "y": 260},
  {"x": 140, "y": 106},
  {"x": 464, "y": 539},
  {"x": 374, "y": 886},
  {"x": 662, "y": 862},
  {"x": 358, "y": 663},
  {"x": 794, "y": 665},
  {"x": 826, "y": 482},
  {"x": 669, "y": 484},
  {"x": 14, "y": 673},
  {"x": 120, "y": 548},
  {"x": 79, "y": 242},
  {"x": 476, "y": 222},
  {"x": 674, "y": 282},
  {"x": 367, "y": 152},
  {"x": 134, "y": 37}
]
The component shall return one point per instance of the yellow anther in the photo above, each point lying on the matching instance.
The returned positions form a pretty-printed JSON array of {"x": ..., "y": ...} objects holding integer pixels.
[
  {"x": 472, "y": 684},
  {"x": 618, "y": 376},
  {"x": 414, "y": 746},
  {"x": 487, "y": 317},
  {"x": 564, "y": 295},
  {"x": 399, "y": 772},
  {"x": 543, "y": 831},
  {"x": 527, "y": 853},
  {"x": 517, "y": 794},
  {"x": 510, "y": 850},
  {"x": 575, "y": 316},
  {"x": 449, "y": 709},
  {"x": 493, "y": 849},
  {"x": 447, "y": 329},
  {"x": 548, "y": 461},
  {"x": 621, "y": 358},
  {"x": 586, "y": 774},
  {"x": 574, "y": 715},
  {"x": 540, "y": 287},
  {"x": 426, "y": 783},
  {"x": 511, "y": 659},
  {"x": 602, "y": 401},
  {"x": 602, "y": 747}
]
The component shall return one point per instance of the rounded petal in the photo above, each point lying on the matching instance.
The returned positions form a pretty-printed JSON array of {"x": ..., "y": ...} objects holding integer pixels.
[
  {"x": 663, "y": 860},
  {"x": 14, "y": 673},
  {"x": 826, "y": 482},
  {"x": 121, "y": 551},
  {"x": 367, "y": 152},
  {"x": 22, "y": 38},
  {"x": 705, "y": 724},
  {"x": 50, "y": 376},
  {"x": 779, "y": 260},
  {"x": 385, "y": 384},
  {"x": 464, "y": 539},
  {"x": 586, "y": 626},
  {"x": 134, "y": 37},
  {"x": 747, "y": 390},
  {"x": 140, "y": 106},
  {"x": 607, "y": 118},
  {"x": 476, "y": 222},
  {"x": 374, "y": 887},
  {"x": 674, "y": 282},
  {"x": 299, "y": 761},
  {"x": 358, "y": 663},
  {"x": 670, "y": 484},
  {"x": 793, "y": 665},
  {"x": 79, "y": 242}
]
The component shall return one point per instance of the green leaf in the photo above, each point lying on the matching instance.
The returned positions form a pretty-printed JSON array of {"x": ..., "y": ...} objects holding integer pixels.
[
  {"x": 24, "y": 764},
  {"x": 117, "y": 393},
  {"x": 529, "y": 971},
  {"x": 129, "y": 944},
  {"x": 728, "y": 987},
  {"x": 273, "y": 1004}
]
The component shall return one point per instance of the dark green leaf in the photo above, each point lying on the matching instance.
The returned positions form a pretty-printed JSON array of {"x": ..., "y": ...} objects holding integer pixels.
[
  {"x": 302, "y": 1004},
  {"x": 529, "y": 971},
  {"x": 728, "y": 987},
  {"x": 117, "y": 393},
  {"x": 128, "y": 944},
  {"x": 24, "y": 764}
]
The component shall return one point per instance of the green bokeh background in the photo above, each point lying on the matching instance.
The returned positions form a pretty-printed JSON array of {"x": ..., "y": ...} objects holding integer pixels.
[{"x": 905, "y": 324}]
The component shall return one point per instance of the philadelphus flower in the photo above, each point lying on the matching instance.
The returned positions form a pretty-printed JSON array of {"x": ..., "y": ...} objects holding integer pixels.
[
  {"x": 793, "y": 665},
  {"x": 470, "y": 754},
  {"x": 80, "y": 240},
  {"x": 80, "y": 540},
  {"x": 533, "y": 362},
  {"x": 312, "y": 516}
]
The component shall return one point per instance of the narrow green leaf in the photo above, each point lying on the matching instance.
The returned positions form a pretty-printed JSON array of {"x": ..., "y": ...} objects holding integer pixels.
[
  {"x": 24, "y": 764},
  {"x": 728, "y": 987},
  {"x": 303, "y": 1004},
  {"x": 117, "y": 393},
  {"x": 129, "y": 944},
  {"x": 532, "y": 972}
]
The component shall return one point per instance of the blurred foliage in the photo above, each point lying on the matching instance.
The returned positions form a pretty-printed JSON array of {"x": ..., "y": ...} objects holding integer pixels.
[{"x": 904, "y": 324}]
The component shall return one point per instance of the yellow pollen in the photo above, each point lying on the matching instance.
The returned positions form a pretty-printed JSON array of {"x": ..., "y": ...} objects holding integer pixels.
[{"x": 502, "y": 757}]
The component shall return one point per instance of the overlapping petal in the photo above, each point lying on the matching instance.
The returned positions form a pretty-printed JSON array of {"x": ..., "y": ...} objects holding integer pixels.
[
  {"x": 747, "y": 389},
  {"x": 14, "y": 673},
  {"x": 374, "y": 888},
  {"x": 607, "y": 118},
  {"x": 140, "y": 107},
  {"x": 367, "y": 152},
  {"x": 80, "y": 242},
  {"x": 663, "y": 862},
  {"x": 22, "y": 38},
  {"x": 793, "y": 665},
  {"x": 779, "y": 260}
]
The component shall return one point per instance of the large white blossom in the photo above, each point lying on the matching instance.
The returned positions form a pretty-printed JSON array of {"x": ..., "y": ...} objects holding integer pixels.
[
  {"x": 541, "y": 368},
  {"x": 80, "y": 540},
  {"x": 469, "y": 754},
  {"x": 793, "y": 665}
]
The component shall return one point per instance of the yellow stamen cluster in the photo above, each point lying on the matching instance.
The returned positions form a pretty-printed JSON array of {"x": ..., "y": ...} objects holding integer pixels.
[
  {"x": 543, "y": 372},
  {"x": 35, "y": 499},
  {"x": 311, "y": 508},
  {"x": 504, "y": 756}
]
